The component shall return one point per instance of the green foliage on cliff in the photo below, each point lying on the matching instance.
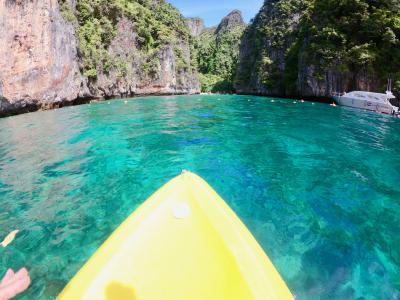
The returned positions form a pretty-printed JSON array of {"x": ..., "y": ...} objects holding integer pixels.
[
  {"x": 217, "y": 58},
  {"x": 211, "y": 83},
  {"x": 267, "y": 42},
  {"x": 354, "y": 36},
  {"x": 342, "y": 36},
  {"x": 66, "y": 11},
  {"x": 156, "y": 23}
]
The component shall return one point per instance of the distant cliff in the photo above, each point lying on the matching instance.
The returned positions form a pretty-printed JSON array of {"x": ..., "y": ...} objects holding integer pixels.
[
  {"x": 196, "y": 26},
  {"x": 58, "y": 52},
  {"x": 217, "y": 52},
  {"x": 316, "y": 48}
]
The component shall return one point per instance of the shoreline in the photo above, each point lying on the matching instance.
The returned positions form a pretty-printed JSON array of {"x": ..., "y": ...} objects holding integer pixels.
[
  {"x": 34, "y": 107},
  {"x": 39, "y": 106},
  {"x": 320, "y": 99}
]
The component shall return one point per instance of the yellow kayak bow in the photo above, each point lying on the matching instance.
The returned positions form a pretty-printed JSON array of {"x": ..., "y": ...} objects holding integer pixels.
[{"x": 183, "y": 243}]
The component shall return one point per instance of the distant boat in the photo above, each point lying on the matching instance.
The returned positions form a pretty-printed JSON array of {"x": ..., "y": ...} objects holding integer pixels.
[{"x": 378, "y": 102}]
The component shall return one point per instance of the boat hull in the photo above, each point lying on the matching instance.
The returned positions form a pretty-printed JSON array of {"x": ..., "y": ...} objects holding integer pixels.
[
  {"x": 365, "y": 104},
  {"x": 184, "y": 242}
]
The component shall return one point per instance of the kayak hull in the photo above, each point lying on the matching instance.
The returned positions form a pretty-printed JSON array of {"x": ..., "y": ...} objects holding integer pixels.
[{"x": 184, "y": 242}]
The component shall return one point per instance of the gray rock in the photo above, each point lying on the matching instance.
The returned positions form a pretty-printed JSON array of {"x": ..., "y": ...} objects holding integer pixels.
[
  {"x": 39, "y": 63},
  {"x": 196, "y": 26},
  {"x": 260, "y": 42},
  {"x": 164, "y": 80},
  {"x": 233, "y": 19},
  {"x": 38, "y": 55}
]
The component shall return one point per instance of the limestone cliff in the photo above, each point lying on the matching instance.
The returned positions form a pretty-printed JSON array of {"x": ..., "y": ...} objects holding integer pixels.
[
  {"x": 138, "y": 73},
  {"x": 196, "y": 26},
  {"x": 217, "y": 51},
  {"x": 316, "y": 48},
  {"x": 38, "y": 56},
  {"x": 230, "y": 22},
  {"x": 264, "y": 46},
  {"x": 55, "y": 53}
]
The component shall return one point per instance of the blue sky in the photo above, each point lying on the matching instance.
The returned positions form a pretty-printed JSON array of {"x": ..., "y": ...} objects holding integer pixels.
[{"x": 212, "y": 11}]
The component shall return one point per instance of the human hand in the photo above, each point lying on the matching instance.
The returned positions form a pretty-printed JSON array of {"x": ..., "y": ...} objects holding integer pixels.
[{"x": 14, "y": 283}]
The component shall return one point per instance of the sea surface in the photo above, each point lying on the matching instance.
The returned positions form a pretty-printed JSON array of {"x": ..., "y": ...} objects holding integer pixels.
[{"x": 318, "y": 186}]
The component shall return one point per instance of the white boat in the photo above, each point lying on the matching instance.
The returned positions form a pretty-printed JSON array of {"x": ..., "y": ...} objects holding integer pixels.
[
  {"x": 370, "y": 101},
  {"x": 377, "y": 102}
]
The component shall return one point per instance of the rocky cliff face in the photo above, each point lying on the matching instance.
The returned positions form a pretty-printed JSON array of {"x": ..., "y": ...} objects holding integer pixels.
[
  {"x": 45, "y": 49},
  {"x": 230, "y": 22},
  {"x": 38, "y": 56},
  {"x": 217, "y": 50},
  {"x": 196, "y": 26},
  {"x": 264, "y": 46},
  {"x": 308, "y": 48},
  {"x": 163, "y": 78}
]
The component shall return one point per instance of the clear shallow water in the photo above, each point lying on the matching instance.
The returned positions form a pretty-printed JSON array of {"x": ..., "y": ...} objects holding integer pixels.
[{"x": 318, "y": 186}]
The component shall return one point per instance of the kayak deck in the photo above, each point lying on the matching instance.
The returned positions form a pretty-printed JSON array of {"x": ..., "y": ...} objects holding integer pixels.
[{"x": 184, "y": 243}]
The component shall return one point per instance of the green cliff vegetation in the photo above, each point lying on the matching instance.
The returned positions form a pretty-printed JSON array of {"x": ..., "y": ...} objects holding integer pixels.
[
  {"x": 357, "y": 37},
  {"x": 267, "y": 41},
  {"x": 217, "y": 52},
  {"x": 156, "y": 24},
  {"x": 353, "y": 38}
]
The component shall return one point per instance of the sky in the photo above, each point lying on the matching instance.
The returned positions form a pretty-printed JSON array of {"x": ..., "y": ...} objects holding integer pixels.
[{"x": 212, "y": 11}]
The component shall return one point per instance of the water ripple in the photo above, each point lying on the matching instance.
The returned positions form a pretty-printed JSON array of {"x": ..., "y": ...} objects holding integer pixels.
[{"x": 318, "y": 186}]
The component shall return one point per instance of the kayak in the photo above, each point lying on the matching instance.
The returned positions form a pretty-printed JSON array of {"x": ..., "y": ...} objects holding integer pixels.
[{"x": 183, "y": 243}]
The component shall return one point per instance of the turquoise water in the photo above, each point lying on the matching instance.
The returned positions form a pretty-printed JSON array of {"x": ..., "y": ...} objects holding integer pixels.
[{"x": 318, "y": 186}]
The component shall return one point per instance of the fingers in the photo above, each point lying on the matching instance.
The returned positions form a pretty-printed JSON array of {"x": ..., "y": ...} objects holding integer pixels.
[
  {"x": 15, "y": 285},
  {"x": 7, "y": 277},
  {"x": 21, "y": 273},
  {"x": 8, "y": 292}
]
